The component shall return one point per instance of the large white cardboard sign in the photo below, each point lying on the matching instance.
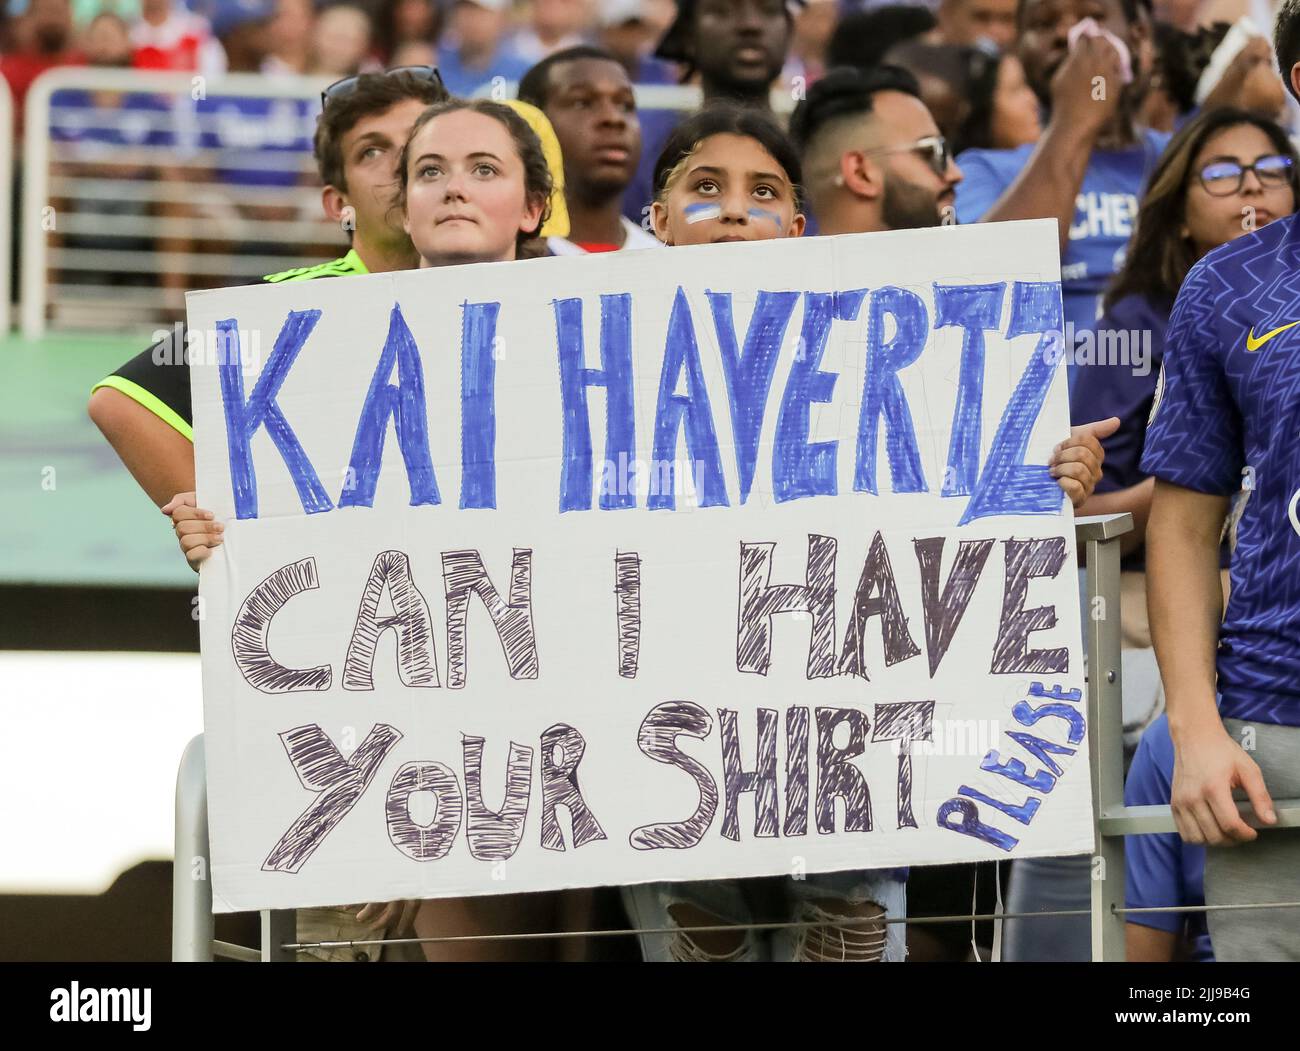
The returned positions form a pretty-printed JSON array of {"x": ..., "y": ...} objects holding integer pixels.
[{"x": 690, "y": 564}]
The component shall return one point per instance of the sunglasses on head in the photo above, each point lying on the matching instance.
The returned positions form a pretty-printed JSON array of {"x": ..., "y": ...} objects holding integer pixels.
[{"x": 341, "y": 89}]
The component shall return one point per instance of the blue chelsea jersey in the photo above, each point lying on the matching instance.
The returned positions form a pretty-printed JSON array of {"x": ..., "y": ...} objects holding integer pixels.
[{"x": 1227, "y": 417}]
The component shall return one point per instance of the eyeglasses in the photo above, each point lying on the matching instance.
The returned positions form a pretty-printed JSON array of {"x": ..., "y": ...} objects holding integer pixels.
[
  {"x": 341, "y": 89},
  {"x": 933, "y": 147},
  {"x": 1224, "y": 178}
]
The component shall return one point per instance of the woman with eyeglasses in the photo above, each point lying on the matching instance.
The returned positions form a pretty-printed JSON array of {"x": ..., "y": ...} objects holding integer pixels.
[{"x": 1225, "y": 174}]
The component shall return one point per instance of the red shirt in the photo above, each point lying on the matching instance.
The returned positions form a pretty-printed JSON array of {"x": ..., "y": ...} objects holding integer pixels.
[
  {"x": 176, "y": 44},
  {"x": 23, "y": 67}
]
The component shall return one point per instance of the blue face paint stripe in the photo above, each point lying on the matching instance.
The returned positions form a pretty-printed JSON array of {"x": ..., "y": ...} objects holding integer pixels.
[
  {"x": 697, "y": 213},
  {"x": 763, "y": 213}
]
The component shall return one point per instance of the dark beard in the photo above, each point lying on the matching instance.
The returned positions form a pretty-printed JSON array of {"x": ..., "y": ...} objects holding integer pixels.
[{"x": 907, "y": 206}]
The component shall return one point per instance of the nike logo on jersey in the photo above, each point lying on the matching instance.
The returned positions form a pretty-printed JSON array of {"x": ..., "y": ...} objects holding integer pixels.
[{"x": 1253, "y": 344}]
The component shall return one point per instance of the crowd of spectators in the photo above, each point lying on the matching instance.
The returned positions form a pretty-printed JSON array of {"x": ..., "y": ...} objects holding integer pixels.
[
  {"x": 1152, "y": 134},
  {"x": 472, "y": 42}
]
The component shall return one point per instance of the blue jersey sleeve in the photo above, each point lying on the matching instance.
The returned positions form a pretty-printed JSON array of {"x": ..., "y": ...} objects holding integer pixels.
[
  {"x": 985, "y": 176},
  {"x": 1195, "y": 435},
  {"x": 1153, "y": 864},
  {"x": 1120, "y": 389}
]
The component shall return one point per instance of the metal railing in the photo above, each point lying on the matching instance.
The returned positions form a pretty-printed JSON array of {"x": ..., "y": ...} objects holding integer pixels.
[
  {"x": 1099, "y": 539},
  {"x": 1112, "y": 820},
  {"x": 139, "y": 186}
]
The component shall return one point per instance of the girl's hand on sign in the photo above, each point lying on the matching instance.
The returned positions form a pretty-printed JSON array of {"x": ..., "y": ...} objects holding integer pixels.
[
  {"x": 1076, "y": 462},
  {"x": 195, "y": 528}
]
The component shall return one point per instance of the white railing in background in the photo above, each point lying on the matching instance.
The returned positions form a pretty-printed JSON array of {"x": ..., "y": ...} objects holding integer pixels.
[
  {"x": 160, "y": 197},
  {"x": 159, "y": 163},
  {"x": 6, "y": 200}
]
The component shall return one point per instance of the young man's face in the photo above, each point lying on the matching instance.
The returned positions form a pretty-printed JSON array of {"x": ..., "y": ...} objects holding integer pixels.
[
  {"x": 915, "y": 195},
  {"x": 591, "y": 106},
  {"x": 741, "y": 43},
  {"x": 370, "y": 151}
]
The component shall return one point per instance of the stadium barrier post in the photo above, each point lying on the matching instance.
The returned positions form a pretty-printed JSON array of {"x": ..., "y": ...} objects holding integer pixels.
[
  {"x": 1100, "y": 537},
  {"x": 279, "y": 928},
  {"x": 191, "y": 869}
]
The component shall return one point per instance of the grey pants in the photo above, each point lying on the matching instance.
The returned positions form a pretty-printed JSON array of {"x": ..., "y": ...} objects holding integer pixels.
[{"x": 1266, "y": 870}]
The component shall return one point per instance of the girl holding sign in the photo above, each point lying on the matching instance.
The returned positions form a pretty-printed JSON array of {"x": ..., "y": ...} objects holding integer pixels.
[
  {"x": 474, "y": 187},
  {"x": 729, "y": 174}
]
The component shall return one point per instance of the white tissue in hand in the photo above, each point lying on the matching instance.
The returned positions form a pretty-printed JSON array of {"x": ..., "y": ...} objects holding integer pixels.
[{"x": 1090, "y": 27}]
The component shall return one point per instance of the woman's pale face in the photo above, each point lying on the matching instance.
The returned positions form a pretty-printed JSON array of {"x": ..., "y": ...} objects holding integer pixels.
[
  {"x": 730, "y": 189},
  {"x": 1015, "y": 107},
  {"x": 465, "y": 191},
  {"x": 1213, "y": 220}
]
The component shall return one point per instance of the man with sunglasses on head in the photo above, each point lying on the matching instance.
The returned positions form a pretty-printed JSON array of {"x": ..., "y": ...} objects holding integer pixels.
[
  {"x": 143, "y": 408},
  {"x": 872, "y": 154}
]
